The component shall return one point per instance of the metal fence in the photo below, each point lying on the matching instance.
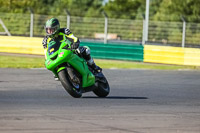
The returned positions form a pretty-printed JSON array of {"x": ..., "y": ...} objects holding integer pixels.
[{"x": 107, "y": 29}]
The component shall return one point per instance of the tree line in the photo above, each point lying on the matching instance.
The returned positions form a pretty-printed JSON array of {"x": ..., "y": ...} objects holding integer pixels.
[{"x": 160, "y": 10}]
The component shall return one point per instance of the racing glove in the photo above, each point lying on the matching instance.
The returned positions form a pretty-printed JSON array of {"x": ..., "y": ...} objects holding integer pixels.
[{"x": 75, "y": 45}]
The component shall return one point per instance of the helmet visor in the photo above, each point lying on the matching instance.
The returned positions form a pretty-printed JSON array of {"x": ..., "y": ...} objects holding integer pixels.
[{"x": 50, "y": 30}]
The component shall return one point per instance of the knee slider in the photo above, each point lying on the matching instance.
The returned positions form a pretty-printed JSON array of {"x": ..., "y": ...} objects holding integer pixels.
[
  {"x": 81, "y": 50},
  {"x": 87, "y": 51}
]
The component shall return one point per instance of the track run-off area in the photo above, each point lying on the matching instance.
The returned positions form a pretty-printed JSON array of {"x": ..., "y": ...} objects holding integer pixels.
[{"x": 140, "y": 101}]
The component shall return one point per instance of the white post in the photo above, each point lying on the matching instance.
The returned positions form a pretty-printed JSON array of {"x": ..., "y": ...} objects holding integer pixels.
[
  {"x": 31, "y": 23},
  {"x": 105, "y": 28},
  {"x": 68, "y": 18},
  {"x": 4, "y": 27},
  {"x": 143, "y": 31},
  {"x": 68, "y": 21},
  {"x": 183, "y": 33},
  {"x": 31, "y": 26},
  {"x": 147, "y": 20}
]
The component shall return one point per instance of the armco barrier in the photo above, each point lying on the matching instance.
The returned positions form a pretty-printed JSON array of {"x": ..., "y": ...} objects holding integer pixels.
[
  {"x": 25, "y": 45},
  {"x": 29, "y": 45},
  {"x": 192, "y": 56},
  {"x": 115, "y": 51},
  {"x": 172, "y": 55},
  {"x": 163, "y": 54},
  {"x": 148, "y": 53}
]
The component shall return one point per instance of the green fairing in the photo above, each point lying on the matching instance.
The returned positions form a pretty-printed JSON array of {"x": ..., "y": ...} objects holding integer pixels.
[{"x": 67, "y": 56}]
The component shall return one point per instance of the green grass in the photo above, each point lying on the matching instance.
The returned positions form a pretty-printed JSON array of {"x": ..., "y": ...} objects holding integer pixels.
[
  {"x": 141, "y": 65},
  {"x": 8, "y": 61},
  {"x": 22, "y": 61}
]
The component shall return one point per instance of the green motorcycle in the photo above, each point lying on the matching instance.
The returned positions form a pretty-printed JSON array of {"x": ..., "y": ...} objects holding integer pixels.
[{"x": 73, "y": 72}]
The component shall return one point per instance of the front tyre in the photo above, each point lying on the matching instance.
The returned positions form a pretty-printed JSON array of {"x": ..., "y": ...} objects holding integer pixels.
[
  {"x": 72, "y": 88},
  {"x": 103, "y": 88}
]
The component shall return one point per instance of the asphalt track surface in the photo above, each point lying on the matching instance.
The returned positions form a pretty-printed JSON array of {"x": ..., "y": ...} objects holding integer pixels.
[{"x": 141, "y": 101}]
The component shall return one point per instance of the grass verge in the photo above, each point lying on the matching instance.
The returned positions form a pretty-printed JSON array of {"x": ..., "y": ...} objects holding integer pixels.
[
  {"x": 23, "y": 61},
  {"x": 16, "y": 61}
]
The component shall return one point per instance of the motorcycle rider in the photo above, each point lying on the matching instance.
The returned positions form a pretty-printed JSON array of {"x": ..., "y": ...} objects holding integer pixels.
[{"x": 55, "y": 33}]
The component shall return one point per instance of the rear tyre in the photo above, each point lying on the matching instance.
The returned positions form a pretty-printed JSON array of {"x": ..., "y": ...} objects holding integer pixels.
[
  {"x": 72, "y": 88},
  {"x": 103, "y": 88}
]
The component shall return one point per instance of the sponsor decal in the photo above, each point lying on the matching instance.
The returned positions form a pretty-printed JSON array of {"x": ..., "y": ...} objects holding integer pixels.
[
  {"x": 51, "y": 50},
  {"x": 49, "y": 62},
  {"x": 61, "y": 54}
]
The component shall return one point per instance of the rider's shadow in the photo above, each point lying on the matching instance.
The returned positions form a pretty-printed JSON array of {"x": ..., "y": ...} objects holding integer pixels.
[{"x": 117, "y": 97}]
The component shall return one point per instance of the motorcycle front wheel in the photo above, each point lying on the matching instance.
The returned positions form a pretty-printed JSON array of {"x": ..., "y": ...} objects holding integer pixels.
[
  {"x": 103, "y": 88},
  {"x": 72, "y": 88}
]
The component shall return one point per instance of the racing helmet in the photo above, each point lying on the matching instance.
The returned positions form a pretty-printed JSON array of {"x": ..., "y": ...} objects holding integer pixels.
[{"x": 52, "y": 26}]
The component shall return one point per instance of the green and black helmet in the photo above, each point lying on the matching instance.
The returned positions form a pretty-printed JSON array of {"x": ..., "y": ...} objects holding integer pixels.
[{"x": 52, "y": 26}]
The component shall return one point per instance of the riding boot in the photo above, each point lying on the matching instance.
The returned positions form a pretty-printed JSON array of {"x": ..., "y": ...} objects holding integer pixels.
[
  {"x": 56, "y": 78},
  {"x": 93, "y": 65},
  {"x": 85, "y": 52}
]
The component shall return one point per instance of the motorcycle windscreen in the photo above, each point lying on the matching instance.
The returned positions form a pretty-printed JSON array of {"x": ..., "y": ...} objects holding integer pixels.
[{"x": 53, "y": 46}]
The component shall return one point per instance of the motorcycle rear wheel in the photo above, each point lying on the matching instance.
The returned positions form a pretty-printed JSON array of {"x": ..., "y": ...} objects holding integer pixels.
[{"x": 73, "y": 89}]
